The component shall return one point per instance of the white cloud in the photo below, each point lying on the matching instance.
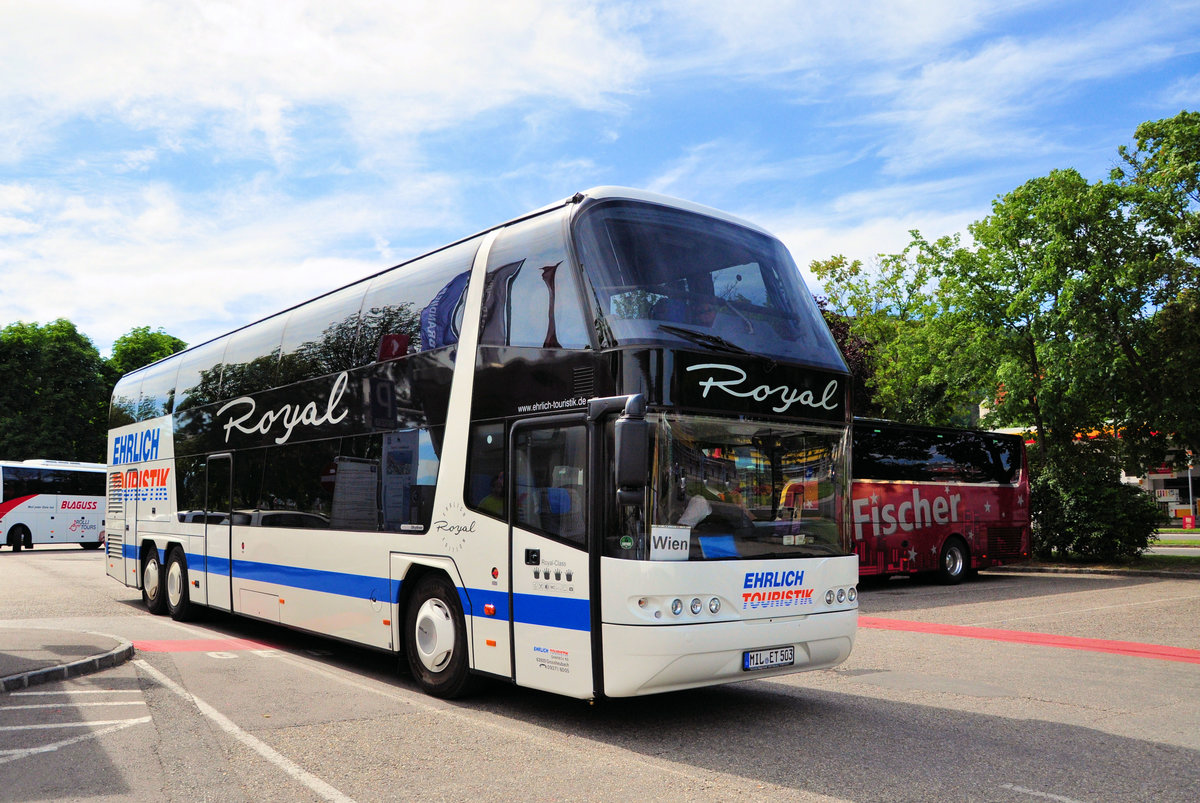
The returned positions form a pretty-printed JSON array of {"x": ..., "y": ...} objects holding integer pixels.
[{"x": 392, "y": 69}]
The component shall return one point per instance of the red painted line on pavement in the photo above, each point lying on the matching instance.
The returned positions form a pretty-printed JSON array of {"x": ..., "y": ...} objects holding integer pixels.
[
  {"x": 1155, "y": 651},
  {"x": 200, "y": 645}
]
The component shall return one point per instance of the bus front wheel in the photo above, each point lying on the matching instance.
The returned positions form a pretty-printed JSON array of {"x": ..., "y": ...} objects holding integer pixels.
[
  {"x": 20, "y": 536},
  {"x": 954, "y": 561},
  {"x": 435, "y": 640},
  {"x": 152, "y": 584}
]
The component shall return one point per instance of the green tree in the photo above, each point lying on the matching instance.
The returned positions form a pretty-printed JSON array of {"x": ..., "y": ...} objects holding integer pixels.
[
  {"x": 139, "y": 347},
  {"x": 893, "y": 308},
  {"x": 1162, "y": 176},
  {"x": 53, "y": 402}
]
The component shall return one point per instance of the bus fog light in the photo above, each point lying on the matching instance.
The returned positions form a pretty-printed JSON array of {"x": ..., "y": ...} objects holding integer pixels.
[
  {"x": 676, "y": 606},
  {"x": 852, "y": 594},
  {"x": 714, "y": 605},
  {"x": 697, "y": 606},
  {"x": 841, "y": 595},
  {"x": 829, "y": 597}
]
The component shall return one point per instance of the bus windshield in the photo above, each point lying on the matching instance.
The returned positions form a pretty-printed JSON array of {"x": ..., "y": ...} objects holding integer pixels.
[
  {"x": 719, "y": 487},
  {"x": 668, "y": 276}
]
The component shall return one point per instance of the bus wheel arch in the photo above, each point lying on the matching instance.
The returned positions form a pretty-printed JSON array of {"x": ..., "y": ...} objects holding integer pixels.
[
  {"x": 153, "y": 580},
  {"x": 954, "y": 560},
  {"x": 435, "y": 635}
]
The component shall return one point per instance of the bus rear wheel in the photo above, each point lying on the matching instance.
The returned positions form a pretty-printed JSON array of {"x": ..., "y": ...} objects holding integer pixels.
[
  {"x": 954, "y": 561},
  {"x": 179, "y": 601},
  {"x": 435, "y": 640},
  {"x": 152, "y": 584}
]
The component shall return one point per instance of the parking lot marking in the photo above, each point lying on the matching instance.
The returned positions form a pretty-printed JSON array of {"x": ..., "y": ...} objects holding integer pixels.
[
  {"x": 1155, "y": 651},
  {"x": 1034, "y": 793},
  {"x": 262, "y": 748},
  {"x": 113, "y": 726}
]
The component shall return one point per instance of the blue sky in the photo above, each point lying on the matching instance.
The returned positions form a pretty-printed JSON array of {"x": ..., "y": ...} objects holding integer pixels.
[{"x": 195, "y": 166}]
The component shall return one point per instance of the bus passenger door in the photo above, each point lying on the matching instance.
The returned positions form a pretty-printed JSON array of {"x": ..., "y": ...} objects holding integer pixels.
[
  {"x": 218, "y": 531},
  {"x": 551, "y": 610}
]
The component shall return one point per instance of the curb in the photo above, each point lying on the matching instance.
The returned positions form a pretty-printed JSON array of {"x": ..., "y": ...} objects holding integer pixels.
[{"x": 114, "y": 657}]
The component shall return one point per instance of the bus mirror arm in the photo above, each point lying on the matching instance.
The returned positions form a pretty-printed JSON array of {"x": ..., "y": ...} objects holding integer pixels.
[{"x": 631, "y": 451}]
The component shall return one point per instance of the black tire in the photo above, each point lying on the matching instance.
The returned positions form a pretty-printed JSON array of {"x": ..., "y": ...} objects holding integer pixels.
[
  {"x": 20, "y": 536},
  {"x": 179, "y": 601},
  {"x": 153, "y": 586},
  {"x": 90, "y": 545},
  {"x": 955, "y": 561},
  {"x": 435, "y": 639}
]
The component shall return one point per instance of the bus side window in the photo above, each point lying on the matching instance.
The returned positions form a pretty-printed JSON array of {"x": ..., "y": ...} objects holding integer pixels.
[
  {"x": 532, "y": 296},
  {"x": 550, "y": 468},
  {"x": 486, "y": 490}
]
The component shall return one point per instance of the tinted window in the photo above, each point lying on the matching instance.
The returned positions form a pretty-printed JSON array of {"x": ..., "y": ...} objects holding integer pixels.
[
  {"x": 21, "y": 482},
  {"x": 158, "y": 390},
  {"x": 251, "y": 359},
  {"x": 913, "y": 455},
  {"x": 486, "y": 488},
  {"x": 418, "y": 306},
  {"x": 123, "y": 409},
  {"x": 199, "y": 381},
  {"x": 549, "y": 475},
  {"x": 531, "y": 297},
  {"x": 322, "y": 337},
  {"x": 665, "y": 275}
]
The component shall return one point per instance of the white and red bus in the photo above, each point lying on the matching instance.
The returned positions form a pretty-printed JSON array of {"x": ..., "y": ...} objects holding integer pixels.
[
  {"x": 51, "y": 502},
  {"x": 926, "y": 499}
]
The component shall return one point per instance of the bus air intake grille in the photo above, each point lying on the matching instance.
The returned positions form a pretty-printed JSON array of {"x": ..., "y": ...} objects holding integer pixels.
[
  {"x": 583, "y": 382},
  {"x": 1005, "y": 542}
]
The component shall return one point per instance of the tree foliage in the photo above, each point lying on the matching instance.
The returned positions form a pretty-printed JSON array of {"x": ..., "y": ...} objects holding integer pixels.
[
  {"x": 1074, "y": 310},
  {"x": 56, "y": 387},
  {"x": 140, "y": 347},
  {"x": 53, "y": 401}
]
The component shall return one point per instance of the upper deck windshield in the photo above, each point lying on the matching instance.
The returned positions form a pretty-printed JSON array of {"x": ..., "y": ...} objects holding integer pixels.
[{"x": 669, "y": 276}]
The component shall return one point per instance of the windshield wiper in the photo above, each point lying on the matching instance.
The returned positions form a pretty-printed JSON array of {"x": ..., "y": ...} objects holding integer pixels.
[{"x": 703, "y": 338}]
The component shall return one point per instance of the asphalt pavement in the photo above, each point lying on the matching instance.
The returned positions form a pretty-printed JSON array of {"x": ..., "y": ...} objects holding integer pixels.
[{"x": 29, "y": 656}]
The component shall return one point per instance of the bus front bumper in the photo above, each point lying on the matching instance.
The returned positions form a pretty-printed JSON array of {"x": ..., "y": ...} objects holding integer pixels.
[{"x": 648, "y": 659}]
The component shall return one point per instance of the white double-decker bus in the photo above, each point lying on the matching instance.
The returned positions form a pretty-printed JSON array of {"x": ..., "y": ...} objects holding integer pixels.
[
  {"x": 551, "y": 453},
  {"x": 51, "y": 502}
]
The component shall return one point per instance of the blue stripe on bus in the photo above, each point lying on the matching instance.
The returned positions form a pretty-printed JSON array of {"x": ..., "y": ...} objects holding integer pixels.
[{"x": 572, "y": 614}]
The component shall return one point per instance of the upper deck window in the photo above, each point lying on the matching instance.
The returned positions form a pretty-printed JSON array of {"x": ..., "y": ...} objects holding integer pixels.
[{"x": 669, "y": 276}]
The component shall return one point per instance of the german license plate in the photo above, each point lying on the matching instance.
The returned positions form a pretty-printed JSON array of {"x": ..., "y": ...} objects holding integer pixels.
[{"x": 768, "y": 659}]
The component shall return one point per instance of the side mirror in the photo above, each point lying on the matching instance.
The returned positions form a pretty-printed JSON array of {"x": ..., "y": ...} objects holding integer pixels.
[{"x": 631, "y": 448}]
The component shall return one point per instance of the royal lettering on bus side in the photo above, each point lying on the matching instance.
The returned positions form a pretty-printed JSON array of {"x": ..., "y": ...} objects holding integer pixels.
[
  {"x": 734, "y": 380},
  {"x": 289, "y": 415},
  {"x": 907, "y": 515}
]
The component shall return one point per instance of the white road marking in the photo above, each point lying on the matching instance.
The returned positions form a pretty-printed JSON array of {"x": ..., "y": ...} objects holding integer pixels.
[
  {"x": 1034, "y": 793},
  {"x": 69, "y": 705},
  {"x": 114, "y": 726},
  {"x": 224, "y": 723}
]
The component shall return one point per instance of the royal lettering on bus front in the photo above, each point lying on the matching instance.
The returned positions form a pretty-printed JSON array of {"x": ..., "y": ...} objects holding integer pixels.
[
  {"x": 245, "y": 418},
  {"x": 805, "y": 394}
]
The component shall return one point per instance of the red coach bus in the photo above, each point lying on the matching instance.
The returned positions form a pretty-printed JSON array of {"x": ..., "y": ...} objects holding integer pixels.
[{"x": 950, "y": 501}]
